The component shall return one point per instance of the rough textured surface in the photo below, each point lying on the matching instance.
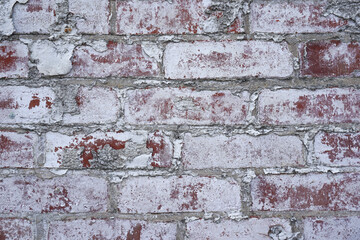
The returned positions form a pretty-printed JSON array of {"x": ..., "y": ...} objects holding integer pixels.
[
  {"x": 177, "y": 194},
  {"x": 185, "y": 106},
  {"x": 241, "y": 151},
  {"x": 227, "y": 60},
  {"x": 13, "y": 59},
  {"x": 253, "y": 228},
  {"x": 15, "y": 229},
  {"x": 326, "y": 228},
  {"x": 330, "y": 58},
  {"x": 284, "y": 107},
  {"x": 175, "y": 17},
  {"x": 306, "y": 192},
  {"x": 17, "y": 150},
  {"x": 293, "y": 17},
  {"x": 63, "y": 194},
  {"x": 27, "y": 105},
  {"x": 179, "y": 119},
  {"x": 36, "y": 16},
  {"x": 338, "y": 149},
  {"x": 111, "y": 229}
]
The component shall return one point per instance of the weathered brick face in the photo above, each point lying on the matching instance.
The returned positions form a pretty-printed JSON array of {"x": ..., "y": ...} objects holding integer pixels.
[{"x": 179, "y": 119}]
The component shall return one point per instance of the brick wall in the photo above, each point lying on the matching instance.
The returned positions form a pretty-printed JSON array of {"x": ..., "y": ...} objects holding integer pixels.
[{"x": 182, "y": 119}]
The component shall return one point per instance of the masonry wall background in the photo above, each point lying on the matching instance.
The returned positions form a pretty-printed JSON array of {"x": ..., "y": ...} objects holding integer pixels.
[{"x": 179, "y": 119}]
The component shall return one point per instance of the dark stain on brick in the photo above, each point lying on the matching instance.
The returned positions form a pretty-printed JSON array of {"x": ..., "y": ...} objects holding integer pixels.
[
  {"x": 35, "y": 102},
  {"x": 7, "y": 58},
  {"x": 134, "y": 233},
  {"x": 346, "y": 145},
  {"x": 8, "y": 103}
]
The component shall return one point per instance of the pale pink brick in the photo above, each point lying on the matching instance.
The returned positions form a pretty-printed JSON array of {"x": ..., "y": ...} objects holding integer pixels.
[
  {"x": 337, "y": 149},
  {"x": 17, "y": 149},
  {"x": 36, "y": 16},
  {"x": 242, "y": 151},
  {"x": 12, "y": 228},
  {"x": 324, "y": 106},
  {"x": 330, "y": 58},
  {"x": 231, "y": 59},
  {"x": 14, "y": 58},
  {"x": 325, "y": 228},
  {"x": 22, "y": 194},
  {"x": 111, "y": 229},
  {"x": 254, "y": 229},
  {"x": 101, "y": 150},
  {"x": 162, "y": 149},
  {"x": 20, "y": 104},
  {"x": 177, "y": 194},
  {"x": 96, "y": 105},
  {"x": 185, "y": 106},
  {"x": 164, "y": 17},
  {"x": 314, "y": 192},
  {"x": 120, "y": 60},
  {"x": 292, "y": 17},
  {"x": 93, "y": 16}
]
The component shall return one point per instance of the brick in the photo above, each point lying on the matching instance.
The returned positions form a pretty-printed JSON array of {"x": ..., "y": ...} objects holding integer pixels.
[
  {"x": 17, "y": 149},
  {"x": 96, "y": 105},
  {"x": 176, "y": 17},
  {"x": 16, "y": 229},
  {"x": 324, "y": 106},
  {"x": 36, "y": 16},
  {"x": 93, "y": 15},
  {"x": 162, "y": 149},
  {"x": 20, "y": 104},
  {"x": 323, "y": 228},
  {"x": 120, "y": 60},
  {"x": 314, "y": 192},
  {"x": 70, "y": 194},
  {"x": 255, "y": 229},
  {"x": 231, "y": 59},
  {"x": 13, "y": 60},
  {"x": 185, "y": 106},
  {"x": 111, "y": 229},
  {"x": 100, "y": 150},
  {"x": 241, "y": 151},
  {"x": 293, "y": 17},
  {"x": 337, "y": 149},
  {"x": 177, "y": 194},
  {"x": 330, "y": 58}
]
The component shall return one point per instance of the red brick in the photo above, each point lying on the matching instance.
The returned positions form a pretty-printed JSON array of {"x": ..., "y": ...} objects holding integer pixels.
[
  {"x": 241, "y": 151},
  {"x": 120, "y": 60},
  {"x": 36, "y": 16},
  {"x": 338, "y": 149},
  {"x": 330, "y": 59},
  {"x": 254, "y": 229},
  {"x": 314, "y": 192},
  {"x": 108, "y": 150},
  {"x": 21, "y": 194},
  {"x": 162, "y": 149},
  {"x": 293, "y": 17},
  {"x": 20, "y": 104},
  {"x": 283, "y": 107},
  {"x": 177, "y": 194},
  {"x": 16, "y": 149},
  {"x": 93, "y": 16},
  {"x": 231, "y": 59},
  {"x": 96, "y": 105},
  {"x": 111, "y": 229},
  {"x": 185, "y": 106},
  {"x": 324, "y": 228},
  {"x": 14, "y": 58},
  {"x": 16, "y": 229},
  {"x": 164, "y": 17}
]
